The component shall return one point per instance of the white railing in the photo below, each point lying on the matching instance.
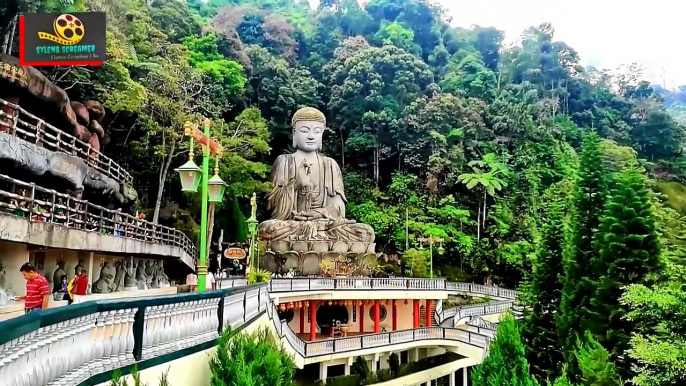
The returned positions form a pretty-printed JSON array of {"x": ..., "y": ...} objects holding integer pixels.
[
  {"x": 232, "y": 283},
  {"x": 315, "y": 284},
  {"x": 67, "y": 346}
]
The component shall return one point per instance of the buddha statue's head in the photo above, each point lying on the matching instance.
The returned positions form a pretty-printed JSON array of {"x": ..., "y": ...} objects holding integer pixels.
[{"x": 308, "y": 128}]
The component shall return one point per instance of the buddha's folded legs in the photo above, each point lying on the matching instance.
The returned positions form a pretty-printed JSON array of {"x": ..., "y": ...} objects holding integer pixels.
[{"x": 275, "y": 230}]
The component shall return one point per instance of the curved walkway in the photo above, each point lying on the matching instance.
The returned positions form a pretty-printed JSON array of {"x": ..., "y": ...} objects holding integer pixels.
[
  {"x": 34, "y": 215},
  {"x": 453, "y": 332},
  {"x": 84, "y": 343}
]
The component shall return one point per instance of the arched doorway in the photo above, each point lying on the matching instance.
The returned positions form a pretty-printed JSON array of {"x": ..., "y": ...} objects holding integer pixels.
[
  {"x": 328, "y": 315},
  {"x": 287, "y": 315}
]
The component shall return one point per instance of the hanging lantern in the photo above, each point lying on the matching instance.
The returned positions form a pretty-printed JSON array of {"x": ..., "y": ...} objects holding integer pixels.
[
  {"x": 190, "y": 175},
  {"x": 290, "y": 305},
  {"x": 282, "y": 307},
  {"x": 330, "y": 302},
  {"x": 298, "y": 305},
  {"x": 307, "y": 304},
  {"x": 405, "y": 301},
  {"x": 215, "y": 188}
]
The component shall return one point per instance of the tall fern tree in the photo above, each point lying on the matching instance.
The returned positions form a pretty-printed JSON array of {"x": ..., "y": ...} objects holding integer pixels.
[
  {"x": 506, "y": 363},
  {"x": 589, "y": 201},
  {"x": 539, "y": 330},
  {"x": 629, "y": 247}
]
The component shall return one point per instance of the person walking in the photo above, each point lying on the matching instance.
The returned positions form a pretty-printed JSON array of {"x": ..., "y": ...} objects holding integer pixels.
[
  {"x": 79, "y": 287},
  {"x": 37, "y": 289}
]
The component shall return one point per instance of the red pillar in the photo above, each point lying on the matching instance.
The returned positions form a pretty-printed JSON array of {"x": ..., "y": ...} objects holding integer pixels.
[
  {"x": 361, "y": 316},
  {"x": 302, "y": 320},
  {"x": 313, "y": 320},
  {"x": 428, "y": 313},
  {"x": 377, "y": 323},
  {"x": 415, "y": 312},
  {"x": 395, "y": 316}
]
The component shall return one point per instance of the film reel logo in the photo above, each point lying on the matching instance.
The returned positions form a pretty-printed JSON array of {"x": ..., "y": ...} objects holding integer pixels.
[{"x": 68, "y": 31}]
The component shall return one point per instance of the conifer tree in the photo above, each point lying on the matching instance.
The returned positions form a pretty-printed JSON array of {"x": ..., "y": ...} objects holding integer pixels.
[
  {"x": 562, "y": 380},
  {"x": 629, "y": 253},
  {"x": 590, "y": 195},
  {"x": 539, "y": 330},
  {"x": 506, "y": 363},
  {"x": 595, "y": 364}
]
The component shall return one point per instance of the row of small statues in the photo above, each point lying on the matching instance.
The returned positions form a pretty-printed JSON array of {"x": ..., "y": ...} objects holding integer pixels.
[
  {"x": 122, "y": 277},
  {"x": 125, "y": 277}
]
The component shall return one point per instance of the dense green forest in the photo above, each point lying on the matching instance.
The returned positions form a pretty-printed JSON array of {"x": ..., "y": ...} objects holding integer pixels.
[{"x": 562, "y": 180}]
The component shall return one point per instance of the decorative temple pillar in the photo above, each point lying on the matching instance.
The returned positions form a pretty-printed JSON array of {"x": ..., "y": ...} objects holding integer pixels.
[
  {"x": 427, "y": 314},
  {"x": 377, "y": 323},
  {"x": 313, "y": 320},
  {"x": 415, "y": 313},
  {"x": 395, "y": 316},
  {"x": 302, "y": 320},
  {"x": 361, "y": 316}
]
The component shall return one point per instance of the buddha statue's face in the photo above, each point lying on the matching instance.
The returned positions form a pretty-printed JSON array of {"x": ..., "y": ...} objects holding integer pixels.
[{"x": 307, "y": 136}]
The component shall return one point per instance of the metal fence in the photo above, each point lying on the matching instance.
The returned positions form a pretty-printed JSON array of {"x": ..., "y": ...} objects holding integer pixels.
[
  {"x": 22, "y": 124},
  {"x": 49, "y": 206}
]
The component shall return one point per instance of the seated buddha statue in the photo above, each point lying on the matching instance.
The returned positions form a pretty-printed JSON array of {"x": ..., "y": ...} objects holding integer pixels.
[{"x": 308, "y": 201}]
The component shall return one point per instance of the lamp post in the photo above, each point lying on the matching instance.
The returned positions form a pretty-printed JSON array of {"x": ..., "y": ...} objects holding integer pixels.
[
  {"x": 431, "y": 240},
  {"x": 212, "y": 188},
  {"x": 252, "y": 230}
]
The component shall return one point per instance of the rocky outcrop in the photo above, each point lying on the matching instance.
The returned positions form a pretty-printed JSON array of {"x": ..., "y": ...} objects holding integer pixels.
[{"x": 65, "y": 173}]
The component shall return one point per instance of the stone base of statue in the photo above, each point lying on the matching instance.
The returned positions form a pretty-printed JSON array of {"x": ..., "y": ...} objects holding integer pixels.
[{"x": 130, "y": 288}]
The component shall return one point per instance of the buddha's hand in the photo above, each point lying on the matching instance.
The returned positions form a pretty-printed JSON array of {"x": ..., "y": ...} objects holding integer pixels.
[
  {"x": 307, "y": 216},
  {"x": 302, "y": 176}
]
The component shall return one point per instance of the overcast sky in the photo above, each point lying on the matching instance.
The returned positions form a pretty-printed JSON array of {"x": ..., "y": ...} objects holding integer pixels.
[{"x": 605, "y": 33}]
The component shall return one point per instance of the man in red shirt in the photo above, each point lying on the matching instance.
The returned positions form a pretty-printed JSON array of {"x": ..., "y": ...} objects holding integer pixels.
[{"x": 37, "y": 289}]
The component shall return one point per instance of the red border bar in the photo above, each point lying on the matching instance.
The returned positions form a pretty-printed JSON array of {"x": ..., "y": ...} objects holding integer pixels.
[{"x": 24, "y": 63}]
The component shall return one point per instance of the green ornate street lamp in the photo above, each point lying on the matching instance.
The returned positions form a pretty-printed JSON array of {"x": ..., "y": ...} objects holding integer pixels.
[
  {"x": 252, "y": 230},
  {"x": 212, "y": 188},
  {"x": 431, "y": 240}
]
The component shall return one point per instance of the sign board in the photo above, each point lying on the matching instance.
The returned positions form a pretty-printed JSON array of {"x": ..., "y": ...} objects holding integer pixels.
[
  {"x": 234, "y": 253},
  {"x": 202, "y": 139},
  {"x": 69, "y": 39}
]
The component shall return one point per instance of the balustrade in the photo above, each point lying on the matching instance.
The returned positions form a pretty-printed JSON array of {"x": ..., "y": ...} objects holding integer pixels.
[
  {"x": 47, "y": 136},
  {"x": 38, "y": 204},
  {"x": 313, "y": 284},
  {"x": 68, "y": 345}
]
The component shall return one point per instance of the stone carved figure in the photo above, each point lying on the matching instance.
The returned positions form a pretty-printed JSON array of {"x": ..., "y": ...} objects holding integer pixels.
[
  {"x": 149, "y": 273},
  {"x": 141, "y": 278},
  {"x": 162, "y": 277},
  {"x": 57, "y": 276},
  {"x": 119, "y": 277},
  {"x": 78, "y": 268},
  {"x": 155, "y": 280},
  {"x": 104, "y": 284},
  {"x": 129, "y": 277},
  {"x": 308, "y": 199}
]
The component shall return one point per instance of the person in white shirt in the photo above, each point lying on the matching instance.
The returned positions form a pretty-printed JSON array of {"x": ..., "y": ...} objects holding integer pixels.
[{"x": 209, "y": 282}]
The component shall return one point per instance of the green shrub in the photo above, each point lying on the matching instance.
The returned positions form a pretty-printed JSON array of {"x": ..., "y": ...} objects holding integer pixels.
[
  {"x": 361, "y": 368},
  {"x": 250, "y": 359},
  {"x": 383, "y": 375},
  {"x": 258, "y": 276},
  {"x": 394, "y": 364},
  {"x": 345, "y": 380},
  {"x": 119, "y": 380}
]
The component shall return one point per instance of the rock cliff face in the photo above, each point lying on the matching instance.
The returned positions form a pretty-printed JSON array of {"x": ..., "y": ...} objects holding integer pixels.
[{"x": 62, "y": 172}]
